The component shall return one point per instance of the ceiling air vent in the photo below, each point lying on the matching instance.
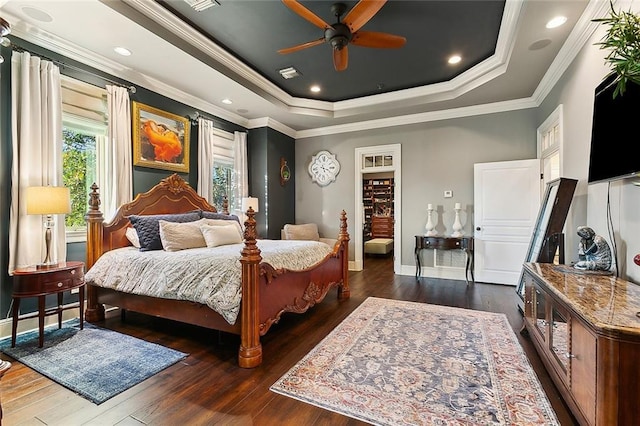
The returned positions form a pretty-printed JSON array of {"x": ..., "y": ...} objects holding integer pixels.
[
  {"x": 200, "y": 5},
  {"x": 288, "y": 73}
]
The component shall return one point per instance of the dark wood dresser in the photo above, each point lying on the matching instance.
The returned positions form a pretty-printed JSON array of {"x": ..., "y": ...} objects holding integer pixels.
[
  {"x": 586, "y": 328},
  {"x": 382, "y": 227}
]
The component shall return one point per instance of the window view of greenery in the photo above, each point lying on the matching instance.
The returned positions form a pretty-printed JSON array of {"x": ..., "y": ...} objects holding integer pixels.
[
  {"x": 223, "y": 184},
  {"x": 79, "y": 172}
]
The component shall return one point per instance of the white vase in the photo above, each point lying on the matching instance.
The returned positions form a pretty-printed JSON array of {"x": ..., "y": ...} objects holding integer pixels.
[
  {"x": 457, "y": 226},
  {"x": 429, "y": 227}
]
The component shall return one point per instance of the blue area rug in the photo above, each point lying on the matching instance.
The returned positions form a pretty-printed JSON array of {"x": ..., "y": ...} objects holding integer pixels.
[{"x": 96, "y": 363}]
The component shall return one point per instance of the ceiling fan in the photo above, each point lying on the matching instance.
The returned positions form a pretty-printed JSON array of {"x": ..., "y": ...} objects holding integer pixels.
[{"x": 345, "y": 31}]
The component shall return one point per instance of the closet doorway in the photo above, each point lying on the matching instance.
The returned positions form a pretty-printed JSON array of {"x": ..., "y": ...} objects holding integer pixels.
[{"x": 378, "y": 202}]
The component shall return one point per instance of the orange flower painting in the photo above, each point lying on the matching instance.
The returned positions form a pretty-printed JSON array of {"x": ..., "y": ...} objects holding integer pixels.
[{"x": 161, "y": 139}]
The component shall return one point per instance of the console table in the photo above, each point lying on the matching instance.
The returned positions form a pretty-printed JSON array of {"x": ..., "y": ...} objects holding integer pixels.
[
  {"x": 586, "y": 327},
  {"x": 446, "y": 243}
]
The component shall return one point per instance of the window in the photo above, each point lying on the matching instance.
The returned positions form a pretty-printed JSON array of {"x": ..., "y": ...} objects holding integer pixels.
[
  {"x": 550, "y": 145},
  {"x": 223, "y": 185},
  {"x": 79, "y": 172},
  {"x": 224, "y": 175},
  {"x": 84, "y": 130}
]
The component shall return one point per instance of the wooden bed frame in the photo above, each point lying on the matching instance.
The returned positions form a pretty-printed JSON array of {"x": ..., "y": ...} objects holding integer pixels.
[{"x": 267, "y": 293}]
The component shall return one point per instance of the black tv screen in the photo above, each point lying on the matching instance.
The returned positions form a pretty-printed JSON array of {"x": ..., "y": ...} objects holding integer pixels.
[{"x": 616, "y": 129}]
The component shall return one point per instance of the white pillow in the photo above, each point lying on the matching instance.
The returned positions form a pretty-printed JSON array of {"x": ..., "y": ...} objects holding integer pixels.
[
  {"x": 179, "y": 236},
  {"x": 305, "y": 231},
  {"x": 132, "y": 236},
  {"x": 220, "y": 235},
  {"x": 223, "y": 222}
]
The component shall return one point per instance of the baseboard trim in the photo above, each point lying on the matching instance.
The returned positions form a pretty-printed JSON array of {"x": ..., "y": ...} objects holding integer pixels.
[{"x": 30, "y": 324}]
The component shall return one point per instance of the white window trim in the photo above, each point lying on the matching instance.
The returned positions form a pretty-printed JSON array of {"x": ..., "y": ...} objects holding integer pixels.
[{"x": 555, "y": 118}]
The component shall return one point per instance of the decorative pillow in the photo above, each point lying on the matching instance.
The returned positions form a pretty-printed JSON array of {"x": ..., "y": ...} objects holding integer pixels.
[
  {"x": 211, "y": 215},
  {"x": 148, "y": 227},
  {"x": 224, "y": 222},
  {"x": 132, "y": 236},
  {"x": 307, "y": 231},
  {"x": 216, "y": 235},
  {"x": 179, "y": 236}
]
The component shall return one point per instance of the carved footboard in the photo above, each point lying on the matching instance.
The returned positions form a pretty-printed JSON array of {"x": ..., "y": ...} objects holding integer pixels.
[{"x": 267, "y": 293}]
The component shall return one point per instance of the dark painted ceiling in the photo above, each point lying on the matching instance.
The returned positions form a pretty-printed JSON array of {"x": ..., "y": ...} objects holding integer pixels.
[{"x": 254, "y": 31}]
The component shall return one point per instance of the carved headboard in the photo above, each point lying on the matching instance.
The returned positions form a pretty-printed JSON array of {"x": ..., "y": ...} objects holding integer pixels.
[{"x": 172, "y": 195}]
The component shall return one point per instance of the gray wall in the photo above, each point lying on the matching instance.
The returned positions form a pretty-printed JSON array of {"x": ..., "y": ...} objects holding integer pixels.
[
  {"x": 265, "y": 148},
  {"x": 575, "y": 91},
  {"x": 436, "y": 156}
]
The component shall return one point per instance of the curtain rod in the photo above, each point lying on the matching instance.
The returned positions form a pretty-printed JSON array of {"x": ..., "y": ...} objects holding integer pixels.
[{"x": 131, "y": 88}]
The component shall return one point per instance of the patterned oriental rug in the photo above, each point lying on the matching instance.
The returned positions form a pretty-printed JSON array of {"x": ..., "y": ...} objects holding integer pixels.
[{"x": 407, "y": 363}]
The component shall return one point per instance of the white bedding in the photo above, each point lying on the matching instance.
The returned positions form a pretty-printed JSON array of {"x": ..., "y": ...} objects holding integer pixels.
[{"x": 211, "y": 276}]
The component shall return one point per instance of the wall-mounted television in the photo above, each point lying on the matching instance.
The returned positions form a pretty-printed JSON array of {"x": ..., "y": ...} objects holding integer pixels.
[{"x": 615, "y": 131}]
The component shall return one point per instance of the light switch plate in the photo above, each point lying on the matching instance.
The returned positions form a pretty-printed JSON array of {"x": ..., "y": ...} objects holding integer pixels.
[{"x": 448, "y": 194}]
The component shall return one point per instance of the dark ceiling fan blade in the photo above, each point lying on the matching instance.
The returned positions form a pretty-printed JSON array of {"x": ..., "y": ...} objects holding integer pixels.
[
  {"x": 361, "y": 13},
  {"x": 375, "y": 39},
  {"x": 306, "y": 13},
  {"x": 301, "y": 46},
  {"x": 340, "y": 58}
]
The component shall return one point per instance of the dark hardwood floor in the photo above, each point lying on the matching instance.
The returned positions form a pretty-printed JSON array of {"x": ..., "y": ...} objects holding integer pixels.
[{"x": 209, "y": 388}]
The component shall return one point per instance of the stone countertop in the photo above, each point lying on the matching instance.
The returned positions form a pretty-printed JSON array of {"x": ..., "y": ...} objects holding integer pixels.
[{"x": 611, "y": 305}]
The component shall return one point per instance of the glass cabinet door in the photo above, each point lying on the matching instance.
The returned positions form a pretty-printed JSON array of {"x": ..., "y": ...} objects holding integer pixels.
[
  {"x": 540, "y": 311},
  {"x": 560, "y": 338}
]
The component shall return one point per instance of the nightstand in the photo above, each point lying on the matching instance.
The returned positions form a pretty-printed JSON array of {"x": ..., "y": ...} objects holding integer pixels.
[{"x": 35, "y": 282}]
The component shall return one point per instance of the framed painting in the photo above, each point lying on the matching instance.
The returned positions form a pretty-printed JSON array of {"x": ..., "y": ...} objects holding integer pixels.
[{"x": 160, "y": 139}]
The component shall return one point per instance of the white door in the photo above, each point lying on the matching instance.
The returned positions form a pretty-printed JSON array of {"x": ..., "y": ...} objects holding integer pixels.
[{"x": 506, "y": 203}]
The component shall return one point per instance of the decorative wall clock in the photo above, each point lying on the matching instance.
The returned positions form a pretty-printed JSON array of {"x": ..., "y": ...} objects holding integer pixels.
[{"x": 324, "y": 168}]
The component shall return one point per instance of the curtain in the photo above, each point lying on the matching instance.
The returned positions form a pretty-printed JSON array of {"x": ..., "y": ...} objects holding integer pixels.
[
  {"x": 36, "y": 134},
  {"x": 205, "y": 159},
  {"x": 114, "y": 155},
  {"x": 241, "y": 169}
]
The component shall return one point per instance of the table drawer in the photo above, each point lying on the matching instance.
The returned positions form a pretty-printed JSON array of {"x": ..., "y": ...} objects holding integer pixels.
[
  {"x": 48, "y": 283},
  {"x": 440, "y": 243}
]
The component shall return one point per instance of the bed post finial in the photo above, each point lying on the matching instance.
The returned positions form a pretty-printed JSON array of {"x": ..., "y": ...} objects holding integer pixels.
[
  {"x": 94, "y": 220},
  {"x": 343, "y": 291},
  {"x": 250, "y": 353}
]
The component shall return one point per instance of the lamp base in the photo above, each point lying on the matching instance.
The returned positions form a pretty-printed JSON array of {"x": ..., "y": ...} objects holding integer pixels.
[{"x": 49, "y": 265}]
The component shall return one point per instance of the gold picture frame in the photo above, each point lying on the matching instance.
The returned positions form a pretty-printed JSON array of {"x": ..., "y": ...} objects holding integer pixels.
[{"x": 160, "y": 139}]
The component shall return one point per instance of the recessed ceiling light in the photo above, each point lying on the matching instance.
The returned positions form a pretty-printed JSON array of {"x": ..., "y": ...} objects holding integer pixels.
[
  {"x": 315, "y": 89},
  {"x": 227, "y": 101},
  {"x": 122, "y": 51},
  {"x": 454, "y": 59},
  {"x": 556, "y": 22}
]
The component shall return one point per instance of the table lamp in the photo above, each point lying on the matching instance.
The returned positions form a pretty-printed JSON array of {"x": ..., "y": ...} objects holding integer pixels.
[
  {"x": 249, "y": 202},
  {"x": 47, "y": 201}
]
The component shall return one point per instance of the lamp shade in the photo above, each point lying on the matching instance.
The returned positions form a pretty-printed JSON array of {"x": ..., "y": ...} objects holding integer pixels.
[
  {"x": 48, "y": 200},
  {"x": 250, "y": 202}
]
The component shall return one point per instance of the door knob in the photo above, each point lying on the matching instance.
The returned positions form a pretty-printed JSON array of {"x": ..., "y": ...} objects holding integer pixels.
[{"x": 477, "y": 228}]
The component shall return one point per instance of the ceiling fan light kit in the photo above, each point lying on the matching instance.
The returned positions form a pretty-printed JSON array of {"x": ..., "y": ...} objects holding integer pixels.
[{"x": 346, "y": 31}]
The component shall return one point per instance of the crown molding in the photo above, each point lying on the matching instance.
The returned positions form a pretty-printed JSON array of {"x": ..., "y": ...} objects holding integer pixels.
[
  {"x": 447, "y": 90},
  {"x": 158, "y": 18},
  {"x": 424, "y": 117},
  {"x": 579, "y": 36},
  {"x": 72, "y": 51},
  {"x": 474, "y": 77},
  {"x": 273, "y": 124}
]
